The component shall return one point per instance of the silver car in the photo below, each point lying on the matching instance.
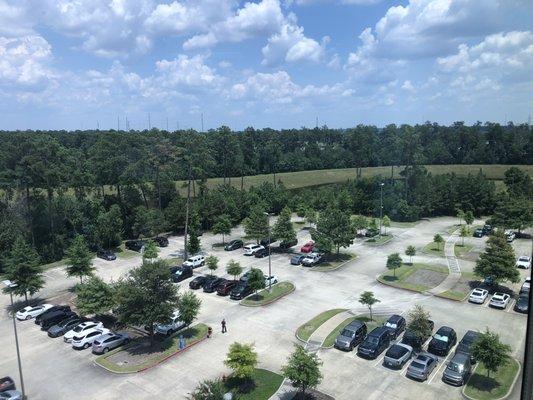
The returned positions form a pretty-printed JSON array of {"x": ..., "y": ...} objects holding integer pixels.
[
  {"x": 11, "y": 395},
  {"x": 422, "y": 366},
  {"x": 110, "y": 341},
  {"x": 397, "y": 355}
]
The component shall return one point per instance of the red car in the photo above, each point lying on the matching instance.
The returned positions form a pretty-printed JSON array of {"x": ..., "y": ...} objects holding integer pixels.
[{"x": 308, "y": 247}]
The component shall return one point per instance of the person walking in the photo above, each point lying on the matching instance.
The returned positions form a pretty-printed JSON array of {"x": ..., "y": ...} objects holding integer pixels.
[{"x": 223, "y": 323}]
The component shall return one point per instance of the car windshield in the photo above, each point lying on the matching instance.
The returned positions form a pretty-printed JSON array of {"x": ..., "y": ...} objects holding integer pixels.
[
  {"x": 477, "y": 293},
  {"x": 418, "y": 365},
  {"x": 523, "y": 258},
  {"x": 440, "y": 337},
  {"x": 348, "y": 333},
  {"x": 372, "y": 340},
  {"x": 391, "y": 325}
]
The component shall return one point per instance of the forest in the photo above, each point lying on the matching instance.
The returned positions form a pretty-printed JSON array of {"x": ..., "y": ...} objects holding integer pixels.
[{"x": 56, "y": 185}]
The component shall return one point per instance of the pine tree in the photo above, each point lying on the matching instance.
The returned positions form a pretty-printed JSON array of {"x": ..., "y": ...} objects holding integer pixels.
[
  {"x": 222, "y": 226},
  {"x": 80, "y": 259},
  {"x": 150, "y": 251},
  {"x": 283, "y": 229},
  {"x": 94, "y": 297},
  {"x": 193, "y": 244},
  {"x": 256, "y": 224},
  {"x": 497, "y": 261}
]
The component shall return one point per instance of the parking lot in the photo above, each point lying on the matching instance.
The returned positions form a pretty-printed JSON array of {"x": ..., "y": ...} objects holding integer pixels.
[{"x": 53, "y": 370}]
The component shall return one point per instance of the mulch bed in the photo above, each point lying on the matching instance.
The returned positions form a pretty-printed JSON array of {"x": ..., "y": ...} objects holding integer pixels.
[
  {"x": 426, "y": 277},
  {"x": 313, "y": 395}
]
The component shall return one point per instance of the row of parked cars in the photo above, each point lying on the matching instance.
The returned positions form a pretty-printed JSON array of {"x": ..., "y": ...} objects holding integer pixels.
[
  {"x": 501, "y": 300},
  {"x": 79, "y": 332},
  {"x": 372, "y": 344}
]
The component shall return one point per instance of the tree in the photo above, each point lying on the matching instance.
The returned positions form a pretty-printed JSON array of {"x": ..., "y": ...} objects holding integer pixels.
[
  {"x": 513, "y": 213},
  {"x": 334, "y": 229},
  {"x": 150, "y": 251},
  {"x": 242, "y": 359},
  {"x": 283, "y": 229},
  {"x": 418, "y": 322},
  {"x": 80, "y": 259},
  {"x": 386, "y": 223},
  {"x": 497, "y": 261},
  {"x": 491, "y": 352},
  {"x": 256, "y": 280},
  {"x": 410, "y": 251},
  {"x": 109, "y": 227},
  {"x": 23, "y": 268},
  {"x": 438, "y": 240},
  {"x": 256, "y": 224},
  {"x": 212, "y": 263},
  {"x": 222, "y": 226},
  {"x": 234, "y": 268},
  {"x": 460, "y": 215},
  {"x": 94, "y": 297},
  {"x": 193, "y": 244},
  {"x": 209, "y": 390},
  {"x": 368, "y": 299},
  {"x": 310, "y": 216},
  {"x": 518, "y": 183},
  {"x": 302, "y": 369},
  {"x": 301, "y": 210},
  {"x": 359, "y": 222},
  {"x": 146, "y": 296},
  {"x": 189, "y": 306},
  {"x": 394, "y": 261},
  {"x": 469, "y": 217},
  {"x": 463, "y": 233}
]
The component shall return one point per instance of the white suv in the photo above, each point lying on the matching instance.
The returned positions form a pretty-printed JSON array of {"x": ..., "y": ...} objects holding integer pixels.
[
  {"x": 195, "y": 261},
  {"x": 174, "y": 325},
  {"x": 85, "y": 339},
  {"x": 251, "y": 249},
  {"x": 78, "y": 330}
]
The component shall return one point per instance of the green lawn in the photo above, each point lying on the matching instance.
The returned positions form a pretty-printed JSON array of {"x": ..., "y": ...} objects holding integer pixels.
[
  {"x": 330, "y": 340},
  {"x": 377, "y": 240},
  {"x": 398, "y": 279},
  {"x": 333, "y": 262},
  {"x": 480, "y": 387},
  {"x": 453, "y": 295},
  {"x": 264, "y": 384},
  {"x": 265, "y": 297},
  {"x": 170, "y": 346},
  {"x": 434, "y": 249},
  {"x": 307, "y": 329},
  {"x": 398, "y": 224},
  {"x": 459, "y": 249}
]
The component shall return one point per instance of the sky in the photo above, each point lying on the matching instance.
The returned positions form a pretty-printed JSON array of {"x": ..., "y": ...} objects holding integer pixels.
[{"x": 83, "y": 64}]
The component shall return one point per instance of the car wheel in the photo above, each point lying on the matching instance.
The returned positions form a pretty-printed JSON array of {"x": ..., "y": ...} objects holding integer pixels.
[
  {"x": 106, "y": 350},
  {"x": 86, "y": 345},
  {"x": 28, "y": 317}
]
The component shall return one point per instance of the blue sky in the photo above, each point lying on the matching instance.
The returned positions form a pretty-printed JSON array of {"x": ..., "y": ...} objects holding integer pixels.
[{"x": 73, "y": 64}]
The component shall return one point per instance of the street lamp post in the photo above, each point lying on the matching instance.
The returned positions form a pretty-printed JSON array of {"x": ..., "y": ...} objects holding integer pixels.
[
  {"x": 11, "y": 285},
  {"x": 269, "y": 260},
  {"x": 380, "y": 207}
]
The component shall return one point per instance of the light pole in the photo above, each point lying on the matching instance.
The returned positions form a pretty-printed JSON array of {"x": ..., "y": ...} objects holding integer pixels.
[
  {"x": 269, "y": 260},
  {"x": 380, "y": 207},
  {"x": 12, "y": 285}
]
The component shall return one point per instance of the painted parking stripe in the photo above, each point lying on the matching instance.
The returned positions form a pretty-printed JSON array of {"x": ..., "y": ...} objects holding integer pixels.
[
  {"x": 452, "y": 350},
  {"x": 510, "y": 306},
  {"x": 380, "y": 360}
]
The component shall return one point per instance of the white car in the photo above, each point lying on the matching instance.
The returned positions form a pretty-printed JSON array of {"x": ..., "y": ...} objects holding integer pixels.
[
  {"x": 30, "y": 312},
  {"x": 526, "y": 286},
  {"x": 271, "y": 280},
  {"x": 510, "y": 236},
  {"x": 85, "y": 339},
  {"x": 174, "y": 325},
  {"x": 478, "y": 296},
  {"x": 311, "y": 259},
  {"x": 195, "y": 261},
  {"x": 84, "y": 326},
  {"x": 251, "y": 249},
  {"x": 499, "y": 300},
  {"x": 523, "y": 262}
]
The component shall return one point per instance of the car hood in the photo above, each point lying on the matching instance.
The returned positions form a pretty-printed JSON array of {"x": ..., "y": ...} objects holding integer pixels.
[
  {"x": 55, "y": 329},
  {"x": 522, "y": 304},
  {"x": 343, "y": 339},
  {"x": 452, "y": 374},
  {"x": 367, "y": 346}
]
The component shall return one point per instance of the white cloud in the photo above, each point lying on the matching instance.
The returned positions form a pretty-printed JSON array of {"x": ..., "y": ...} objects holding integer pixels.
[{"x": 184, "y": 70}]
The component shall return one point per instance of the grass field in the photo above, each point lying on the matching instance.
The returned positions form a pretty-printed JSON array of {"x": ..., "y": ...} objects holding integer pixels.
[
  {"x": 405, "y": 271},
  {"x": 459, "y": 249},
  {"x": 436, "y": 249},
  {"x": 265, "y": 297},
  {"x": 262, "y": 386},
  {"x": 330, "y": 340},
  {"x": 481, "y": 387},
  {"x": 307, "y": 329}
]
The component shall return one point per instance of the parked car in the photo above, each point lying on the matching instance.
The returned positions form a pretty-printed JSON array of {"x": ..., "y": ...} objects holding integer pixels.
[
  {"x": 522, "y": 304},
  {"x": 526, "y": 286},
  {"x": 109, "y": 341},
  {"x": 250, "y": 249},
  {"x": 211, "y": 285},
  {"x": 523, "y": 262},
  {"x": 195, "y": 261},
  {"x": 479, "y": 233},
  {"x": 11, "y": 395},
  {"x": 487, "y": 229},
  {"x": 226, "y": 287},
  {"x": 371, "y": 232},
  {"x": 478, "y": 296},
  {"x": 510, "y": 236},
  {"x": 395, "y": 325},
  {"x": 107, "y": 255},
  {"x": 267, "y": 241},
  {"x": 240, "y": 291},
  {"x": 352, "y": 334},
  {"x": 297, "y": 259},
  {"x": 311, "y": 259},
  {"x": 308, "y": 247},
  {"x": 234, "y": 245},
  {"x": 458, "y": 369},
  {"x": 397, "y": 355},
  {"x": 174, "y": 325},
  {"x": 500, "y": 300},
  {"x": 64, "y": 326},
  {"x": 244, "y": 277},
  {"x": 85, "y": 339},
  {"x": 6, "y": 383},
  {"x": 40, "y": 317},
  {"x": 443, "y": 341},
  {"x": 422, "y": 366},
  {"x": 414, "y": 340},
  {"x": 271, "y": 280},
  {"x": 261, "y": 253},
  {"x": 375, "y": 342},
  {"x": 180, "y": 273},
  {"x": 161, "y": 241},
  {"x": 465, "y": 345},
  {"x": 197, "y": 282},
  {"x": 288, "y": 244},
  {"x": 30, "y": 312},
  {"x": 134, "y": 245},
  {"x": 55, "y": 317},
  {"x": 80, "y": 329}
]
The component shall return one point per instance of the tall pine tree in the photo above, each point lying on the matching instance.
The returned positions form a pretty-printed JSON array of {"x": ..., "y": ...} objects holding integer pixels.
[
  {"x": 80, "y": 259},
  {"x": 497, "y": 261}
]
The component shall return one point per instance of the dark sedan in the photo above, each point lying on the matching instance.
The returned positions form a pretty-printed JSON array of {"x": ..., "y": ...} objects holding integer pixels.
[
  {"x": 211, "y": 285},
  {"x": 240, "y": 291},
  {"x": 64, "y": 326},
  {"x": 226, "y": 287},
  {"x": 55, "y": 317},
  {"x": 415, "y": 340},
  {"x": 134, "y": 245},
  {"x": 466, "y": 343},
  {"x": 522, "y": 304},
  {"x": 261, "y": 253},
  {"x": 234, "y": 245},
  {"x": 40, "y": 317},
  {"x": 161, "y": 241},
  {"x": 107, "y": 255},
  {"x": 197, "y": 282}
]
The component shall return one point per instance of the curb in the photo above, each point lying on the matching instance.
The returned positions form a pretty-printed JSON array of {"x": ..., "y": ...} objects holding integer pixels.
[
  {"x": 306, "y": 341},
  {"x": 378, "y": 244},
  {"x": 337, "y": 267},
  {"x": 270, "y": 301},
  {"x": 510, "y": 387}
]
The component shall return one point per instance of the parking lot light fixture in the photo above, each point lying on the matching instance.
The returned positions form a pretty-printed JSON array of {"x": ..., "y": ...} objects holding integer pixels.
[
  {"x": 269, "y": 260},
  {"x": 11, "y": 285},
  {"x": 380, "y": 207}
]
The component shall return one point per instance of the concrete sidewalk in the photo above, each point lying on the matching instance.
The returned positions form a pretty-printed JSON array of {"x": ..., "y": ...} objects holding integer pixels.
[{"x": 454, "y": 270}]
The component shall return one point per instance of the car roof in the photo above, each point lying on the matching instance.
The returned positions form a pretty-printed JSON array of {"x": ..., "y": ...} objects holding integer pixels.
[
  {"x": 444, "y": 330},
  {"x": 355, "y": 325},
  {"x": 395, "y": 318},
  {"x": 460, "y": 358},
  {"x": 471, "y": 335},
  {"x": 380, "y": 330}
]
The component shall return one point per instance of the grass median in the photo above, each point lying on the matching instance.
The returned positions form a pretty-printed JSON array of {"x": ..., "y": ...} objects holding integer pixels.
[
  {"x": 333, "y": 262},
  {"x": 379, "y": 240},
  {"x": 417, "y": 277},
  {"x": 436, "y": 249},
  {"x": 262, "y": 385},
  {"x": 264, "y": 297},
  {"x": 481, "y": 387},
  {"x": 307, "y": 329},
  {"x": 460, "y": 249},
  {"x": 330, "y": 339}
]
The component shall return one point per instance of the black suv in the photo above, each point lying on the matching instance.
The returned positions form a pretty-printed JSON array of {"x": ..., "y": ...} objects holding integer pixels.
[
  {"x": 261, "y": 253},
  {"x": 107, "y": 255},
  {"x": 135, "y": 245},
  {"x": 161, "y": 241},
  {"x": 212, "y": 285},
  {"x": 479, "y": 233},
  {"x": 41, "y": 317},
  {"x": 240, "y": 291},
  {"x": 375, "y": 342},
  {"x": 179, "y": 274},
  {"x": 197, "y": 282},
  {"x": 64, "y": 326},
  {"x": 443, "y": 340},
  {"x": 487, "y": 229},
  {"x": 395, "y": 325},
  {"x": 55, "y": 317},
  {"x": 351, "y": 336},
  {"x": 234, "y": 245},
  {"x": 416, "y": 342},
  {"x": 465, "y": 345}
]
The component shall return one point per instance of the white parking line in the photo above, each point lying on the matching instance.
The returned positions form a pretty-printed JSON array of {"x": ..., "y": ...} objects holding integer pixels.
[
  {"x": 404, "y": 369},
  {"x": 380, "y": 360},
  {"x": 444, "y": 361},
  {"x": 510, "y": 306}
]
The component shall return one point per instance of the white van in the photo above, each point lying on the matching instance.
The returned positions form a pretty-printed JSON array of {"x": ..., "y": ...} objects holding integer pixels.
[
  {"x": 250, "y": 249},
  {"x": 195, "y": 261}
]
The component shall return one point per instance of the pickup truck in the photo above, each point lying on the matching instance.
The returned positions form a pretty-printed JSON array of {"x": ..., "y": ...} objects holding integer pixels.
[{"x": 311, "y": 259}]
